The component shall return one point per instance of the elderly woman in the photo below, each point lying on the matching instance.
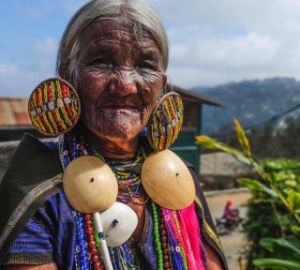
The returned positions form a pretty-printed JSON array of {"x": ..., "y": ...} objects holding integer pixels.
[{"x": 115, "y": 54}]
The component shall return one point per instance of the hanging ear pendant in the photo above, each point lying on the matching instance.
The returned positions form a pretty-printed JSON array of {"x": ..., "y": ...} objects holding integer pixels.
[
  {"x": 167, "y": 180},
  {"x": 54, "y": 107},
  {"x": 165, "y": 122}
]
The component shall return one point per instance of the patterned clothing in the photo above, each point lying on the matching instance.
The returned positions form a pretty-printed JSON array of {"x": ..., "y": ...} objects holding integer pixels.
[
  {"x": 43, "y": 239},
  {"x": 50, "y": 236}
]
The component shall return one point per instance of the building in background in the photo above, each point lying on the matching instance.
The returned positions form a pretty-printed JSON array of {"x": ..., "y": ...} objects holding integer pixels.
[
  {"x": 220, "y": 170},
  {"x": 185, "y": 146}
]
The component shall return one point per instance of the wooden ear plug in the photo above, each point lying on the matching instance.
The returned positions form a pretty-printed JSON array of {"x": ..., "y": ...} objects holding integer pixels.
[
  {"x": 90, "y": 185},
  {"x": 167, "y": 180}
]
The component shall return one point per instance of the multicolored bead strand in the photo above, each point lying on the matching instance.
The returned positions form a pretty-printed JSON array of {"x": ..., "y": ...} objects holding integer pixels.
[
  {"x": 129, "y": 183},
  {"x": 164, "y": 243},
  {"x": 81, "y": 247},
  {"x": 176, "y": 258},
  {"x": 183, "y": 255},
  {"x": 160, "y": 246},
  {"x": 157, "y": 237},
  {"x": 95, "y": 258}
]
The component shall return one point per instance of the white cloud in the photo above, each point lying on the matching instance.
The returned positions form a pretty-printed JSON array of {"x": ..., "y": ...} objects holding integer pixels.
[
  {"x": 214, "y": 42},
  {"x": 18, "y": 81},
  {"x": 211, "y": 42},
  {"x": 20, "y": 78}
]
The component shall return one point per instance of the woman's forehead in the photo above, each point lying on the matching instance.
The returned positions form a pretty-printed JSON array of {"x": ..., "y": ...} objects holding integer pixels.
[{"x": 119, "y": 29}]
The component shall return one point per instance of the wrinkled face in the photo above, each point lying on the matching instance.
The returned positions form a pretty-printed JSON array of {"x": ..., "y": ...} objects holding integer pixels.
[{"x": 119, "y": 78}]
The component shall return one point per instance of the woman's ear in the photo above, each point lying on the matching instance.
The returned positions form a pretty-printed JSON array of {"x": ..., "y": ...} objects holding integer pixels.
[
  {"x": 164, "y": 80},
  {"x": 63, "y": 70}
]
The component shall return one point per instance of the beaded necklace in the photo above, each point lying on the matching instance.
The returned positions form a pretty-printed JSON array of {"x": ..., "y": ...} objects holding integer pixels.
[
  {"x": 88, "y": 243},
  {"x": 163, "y": 250},
  {"x": 127, "y": 173}
]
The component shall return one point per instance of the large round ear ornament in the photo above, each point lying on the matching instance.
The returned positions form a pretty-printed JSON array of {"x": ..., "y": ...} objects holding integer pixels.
[
  {"x": 54, "y": 107},
  {"x": 167, "y": 180},
  {"x": 165, "y": 122},
  {"x": 90, "y": 185}
]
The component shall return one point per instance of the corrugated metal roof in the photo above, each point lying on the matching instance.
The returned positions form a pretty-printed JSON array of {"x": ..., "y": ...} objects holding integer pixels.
[{"x": 13, "y": 111}]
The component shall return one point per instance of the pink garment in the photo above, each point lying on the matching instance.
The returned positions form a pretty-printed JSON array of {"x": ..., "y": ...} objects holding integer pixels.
[{"x": 229, "y": 212}]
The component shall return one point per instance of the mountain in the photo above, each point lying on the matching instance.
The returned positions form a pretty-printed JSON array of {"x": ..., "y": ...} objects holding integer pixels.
[{"x": 254, "y": 103}]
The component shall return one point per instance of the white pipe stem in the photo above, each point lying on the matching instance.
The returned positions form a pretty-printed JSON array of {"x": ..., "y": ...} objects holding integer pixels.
[{"x": 104, "y": 248}]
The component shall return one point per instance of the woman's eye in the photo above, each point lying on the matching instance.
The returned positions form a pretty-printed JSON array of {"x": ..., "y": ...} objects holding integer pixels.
[
  {"x": 101, "y": 62},
  {"x": 147, "y": 65}
]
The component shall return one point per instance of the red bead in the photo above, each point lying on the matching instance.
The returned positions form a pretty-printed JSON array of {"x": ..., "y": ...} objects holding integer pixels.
[
  {"x": 167, "y": 265},
  {"x": 95, "y": 258},
  {"x": 92, "y": 244},
  {"x": 87, "y": 217},
  {"x": 97, "y": 266},
  {"x": 64, "y": 90},
  {"x": 93, "y": 251},
  {"x": 91, "y": 237},
  {"x": 81, "y": 147},
  {"x": 89, "y": 230},
  {"x": 68, "y": 108},
  {"x": 88, "y": 223}
]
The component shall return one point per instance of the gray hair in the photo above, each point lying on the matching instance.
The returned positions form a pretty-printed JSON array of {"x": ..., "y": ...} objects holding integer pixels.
[{"x": 139, "y": 13}]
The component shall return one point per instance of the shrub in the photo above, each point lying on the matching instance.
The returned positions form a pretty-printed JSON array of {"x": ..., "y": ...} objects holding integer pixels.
[{"x": 273, "y": 222}]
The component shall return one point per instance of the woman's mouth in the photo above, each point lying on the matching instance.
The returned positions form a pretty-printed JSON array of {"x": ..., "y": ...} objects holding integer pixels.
[{"x": 120, "y": 108}]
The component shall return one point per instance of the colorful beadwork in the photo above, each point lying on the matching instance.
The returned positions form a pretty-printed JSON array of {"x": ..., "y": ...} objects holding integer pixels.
[
  {"x": 165, "y": 249},
  {"x": 54, "y": 107},
  {"x": 127, "y": 173},
  {"x": 165, "y": 122}
]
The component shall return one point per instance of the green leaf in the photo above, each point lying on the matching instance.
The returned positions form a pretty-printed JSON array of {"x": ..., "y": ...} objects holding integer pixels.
[
  {"x": 255, "y": 185},
  {"x": 267, "y": 243},
  {"x": 259, "y": 201},
  {"x": 293, "y": 199},
  {"x": 295, "y": 229},
  {"x": 243, "y": 140},
  {"x": 291, "y": 183},
  {"x": 291, "y": 243},
  {"x": 277, "y": 263}
]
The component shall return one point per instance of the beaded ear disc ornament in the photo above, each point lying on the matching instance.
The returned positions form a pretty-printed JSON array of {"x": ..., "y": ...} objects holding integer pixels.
[
  {"x": 165, "y": 122},
  {"x": 54, "y": 107}
]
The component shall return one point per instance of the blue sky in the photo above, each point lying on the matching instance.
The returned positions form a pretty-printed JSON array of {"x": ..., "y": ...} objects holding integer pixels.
[{"x": 211, "y": 42}]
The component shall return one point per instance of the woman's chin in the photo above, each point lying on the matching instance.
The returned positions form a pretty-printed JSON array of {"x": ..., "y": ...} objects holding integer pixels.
[{"x": 119, "y": 134}]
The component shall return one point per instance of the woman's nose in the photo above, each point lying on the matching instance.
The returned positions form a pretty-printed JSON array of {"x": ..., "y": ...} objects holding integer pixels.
[{"x": 123, "y": 83}]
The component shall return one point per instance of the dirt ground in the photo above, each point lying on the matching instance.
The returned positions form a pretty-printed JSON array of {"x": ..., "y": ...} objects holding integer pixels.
[{"x": 232, "y": 243}]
